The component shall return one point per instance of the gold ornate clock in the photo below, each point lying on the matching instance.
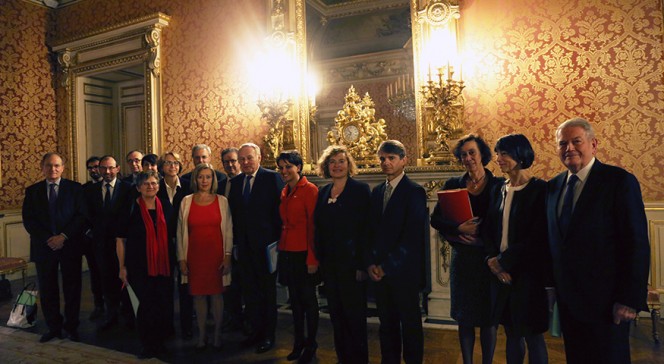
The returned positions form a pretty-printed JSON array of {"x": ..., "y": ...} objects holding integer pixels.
[{"x": 356, "y": 127}]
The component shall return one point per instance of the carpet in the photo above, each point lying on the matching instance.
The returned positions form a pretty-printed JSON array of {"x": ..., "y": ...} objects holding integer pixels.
[{"x": 18, "y": 346}]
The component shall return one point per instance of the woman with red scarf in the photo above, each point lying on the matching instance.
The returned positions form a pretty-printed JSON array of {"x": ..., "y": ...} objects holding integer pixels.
[{"x": 144, "y": 254}]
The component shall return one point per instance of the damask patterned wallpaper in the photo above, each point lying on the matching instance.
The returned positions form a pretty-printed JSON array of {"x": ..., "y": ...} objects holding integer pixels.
[
  {"x": 205, "y": 99},
  {"x": 540, "y": 62},
  {"x": 27, "y": 98},
  {"x": 536, "y": 63}
]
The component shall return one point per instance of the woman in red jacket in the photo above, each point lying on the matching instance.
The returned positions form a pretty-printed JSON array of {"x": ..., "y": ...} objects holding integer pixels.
[{"x": 298, "y": 266}]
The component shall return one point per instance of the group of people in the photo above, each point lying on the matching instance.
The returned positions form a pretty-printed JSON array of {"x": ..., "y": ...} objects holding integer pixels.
[{"x": 580, "y": 238}]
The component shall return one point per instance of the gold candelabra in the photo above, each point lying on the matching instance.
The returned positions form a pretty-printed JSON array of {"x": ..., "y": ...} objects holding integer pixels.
[
  {"x": 443, "y": 110},
  {"x": 275, "y": 111}
]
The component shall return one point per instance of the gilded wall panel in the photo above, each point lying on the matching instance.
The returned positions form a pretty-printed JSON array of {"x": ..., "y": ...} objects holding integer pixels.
[
  {"x": 27, "y": 99},
  {"x": 534, "y": 64}
]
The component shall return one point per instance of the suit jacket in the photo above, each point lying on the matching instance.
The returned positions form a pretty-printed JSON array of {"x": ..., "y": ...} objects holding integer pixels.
[
  {"x": 341, "y": 227},
  {"x": 69, "y": 219},
  {"x": 185, "y": 179},
  {"x": 103, "y": 222},
  {"x": 181, "y": 192},
  {"x": 256, "y": 224},
  {"x": 604, "y": 257},
  {"x": 397, "y": 236}
]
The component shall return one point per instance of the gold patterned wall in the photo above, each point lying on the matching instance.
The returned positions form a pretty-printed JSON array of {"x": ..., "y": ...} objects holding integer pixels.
[
  {"x": 538, "y": 63},
  {"x": 205, "y": 99},
  {"x": 27, "y": 98}
]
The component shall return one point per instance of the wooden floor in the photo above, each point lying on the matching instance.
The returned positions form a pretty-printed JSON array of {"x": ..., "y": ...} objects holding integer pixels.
[{"x": 441, "y": 345}]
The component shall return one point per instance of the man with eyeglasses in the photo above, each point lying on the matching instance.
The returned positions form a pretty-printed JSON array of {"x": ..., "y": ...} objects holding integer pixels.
[
  {"x": 201, "y": 153},
  {"x": 92, "y": 164},
  {"x": 233, "y": 295},
  {"x": 133, "y": 159},
  {"x": 104, "y": 202}
]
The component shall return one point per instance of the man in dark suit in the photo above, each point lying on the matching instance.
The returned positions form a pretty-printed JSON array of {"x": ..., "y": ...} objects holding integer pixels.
[
  {"x": 104, "y": 202},
  {"x": 92, "y": 165},
  {"x": 254, "y": 200},
  {"x": 398, "y": 225},
  {"x": 53, "y": 216},
  {"x": 201, "y": 153},
  {"x": 599, "y": 245},
  {"x": 134, "y": 159}
]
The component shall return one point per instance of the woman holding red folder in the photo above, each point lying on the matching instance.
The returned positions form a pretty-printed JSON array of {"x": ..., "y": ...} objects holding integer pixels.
[{"x": 469, "y": 274}]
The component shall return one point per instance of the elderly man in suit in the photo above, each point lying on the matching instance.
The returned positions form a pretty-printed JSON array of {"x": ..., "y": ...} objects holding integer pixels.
[
  {"x": 104, "y": 202},
  {"x": 254, "y": 200},
  {"x": 398, "y": 225},
  {"x": 134, "y": 159},
  {"x": 201, "y": 153},
  {"x": 599, "y": 244},
  {"x": 53, "y": 216}
]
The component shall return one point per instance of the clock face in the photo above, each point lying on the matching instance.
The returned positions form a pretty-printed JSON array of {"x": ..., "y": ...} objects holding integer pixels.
[{"x": 351, "y": 133}]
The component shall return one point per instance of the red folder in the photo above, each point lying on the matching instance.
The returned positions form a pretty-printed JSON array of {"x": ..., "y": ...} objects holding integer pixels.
[{"x": 455, "y": 205}]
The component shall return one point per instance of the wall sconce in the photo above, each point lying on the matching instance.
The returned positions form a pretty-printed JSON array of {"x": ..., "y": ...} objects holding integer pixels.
[{"x": 440, "y": 104}]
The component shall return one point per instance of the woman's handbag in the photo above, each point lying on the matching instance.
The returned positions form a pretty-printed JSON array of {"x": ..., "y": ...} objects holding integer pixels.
[{"x": 25, "y": 309}]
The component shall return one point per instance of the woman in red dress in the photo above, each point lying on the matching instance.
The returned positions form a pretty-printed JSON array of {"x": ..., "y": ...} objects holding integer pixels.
[{"x": 205, "y": 242}]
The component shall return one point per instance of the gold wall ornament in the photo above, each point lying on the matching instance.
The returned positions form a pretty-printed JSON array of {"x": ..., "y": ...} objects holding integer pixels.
[
  {"x": 275, "y": 113},
  {"x": 443, "y": 110},
  {"x": 356, "y": 127},
  {"x": 439, "y": 103}
]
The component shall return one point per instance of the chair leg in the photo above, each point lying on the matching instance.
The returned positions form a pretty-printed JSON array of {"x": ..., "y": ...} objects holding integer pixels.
[{"x": 654, "y": 316}]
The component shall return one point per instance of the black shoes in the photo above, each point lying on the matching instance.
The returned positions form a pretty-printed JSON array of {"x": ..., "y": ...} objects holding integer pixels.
[
  {"x": 264, "y": 346},
  {"x": 96, "y": 313},
  {"x": 308, "y": 354},
  {"x": 73, "y": 336},
  {"x": 296, "y": 353},
  {"x": 50, "y": 335}
]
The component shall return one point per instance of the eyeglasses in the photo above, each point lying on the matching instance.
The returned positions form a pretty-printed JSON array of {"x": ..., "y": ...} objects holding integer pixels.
[
  {"x": 134, "y": 161},
  {"x": 230, "y": 161},
  {"x": 104, "y": 168},
  {"x": 150, "y": 184},
  {"x": 92, "y": 167},
  {"x": 170, "y": 164}
]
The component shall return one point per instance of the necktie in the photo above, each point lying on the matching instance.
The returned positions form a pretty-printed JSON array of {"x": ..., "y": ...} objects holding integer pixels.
[
  {"x": 568, "y": 205},
  {"x": 387, "y": 195},
  {"x": 246, "y": 192},
  {"x": 52, "y": 198},
  {"x": 107, "y": 197}
]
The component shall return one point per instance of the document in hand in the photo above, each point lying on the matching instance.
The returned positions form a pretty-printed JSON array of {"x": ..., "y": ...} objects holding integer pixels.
[
  {"x": 272, "y": 256},
  {"x": 455, "y": 205}
]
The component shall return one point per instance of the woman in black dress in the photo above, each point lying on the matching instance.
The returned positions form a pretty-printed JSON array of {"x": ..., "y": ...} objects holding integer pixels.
[
  {"x": 143, "y": 251},
  {"x": 340, "y": 218},
  {"x": 469, "y": 275},
  {"x": 518, "y": 252}
]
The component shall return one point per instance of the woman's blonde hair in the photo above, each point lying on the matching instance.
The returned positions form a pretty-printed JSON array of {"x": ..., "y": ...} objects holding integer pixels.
[
  {"x": 194, "y": 177},
  {"x": 329, "y": 152}
]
